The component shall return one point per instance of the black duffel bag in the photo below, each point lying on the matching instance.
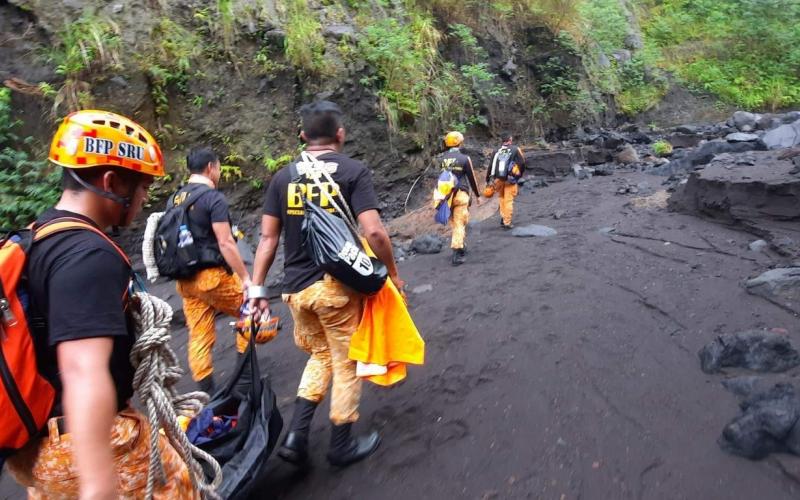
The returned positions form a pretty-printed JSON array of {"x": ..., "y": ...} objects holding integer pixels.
[
  {"x": 243, "y": 451},
  {"x": 333, "y": 242}
]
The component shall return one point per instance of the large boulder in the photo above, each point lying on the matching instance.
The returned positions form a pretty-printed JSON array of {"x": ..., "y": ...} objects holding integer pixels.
[
  {"x": 551, "y": 163},
  {"x": 627, "y": 155},
  {"x": 596, "y": 156},
  {"x": 681, "y": 140},
  {"x": 744, "y": 121},
  {"x": 785, "y": 136}
]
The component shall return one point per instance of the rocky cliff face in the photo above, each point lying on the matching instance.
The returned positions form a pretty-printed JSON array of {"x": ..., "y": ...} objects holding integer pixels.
[{"x": 222, "y": 73}]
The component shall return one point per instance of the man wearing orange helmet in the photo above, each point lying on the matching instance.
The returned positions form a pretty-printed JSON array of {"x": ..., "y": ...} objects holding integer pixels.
[
  {"x": 78, "y": 281},
  {"x": 461, "y": 166}
]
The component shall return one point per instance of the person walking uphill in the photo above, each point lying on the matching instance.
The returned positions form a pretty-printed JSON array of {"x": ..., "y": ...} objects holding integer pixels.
[
  {"x": 507, "y": 168},
  {"x": 80, "y": 322},
  {"x": 326, "y": 313},
  {"x": 219, "y": 277},
  {"x": 461, "y": 166}
]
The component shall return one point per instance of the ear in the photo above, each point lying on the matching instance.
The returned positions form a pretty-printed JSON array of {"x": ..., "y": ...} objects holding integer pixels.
[
  {"x": 341, "y": 135},
  {"x": 109, "y": 180},
  {"x": 303, "y": 136}
]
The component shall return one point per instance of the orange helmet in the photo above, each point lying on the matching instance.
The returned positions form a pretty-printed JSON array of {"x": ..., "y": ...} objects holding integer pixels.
[
  {"x": 488, "y": 191},
  {"x": 453, "y": 139},
  {"x": 93, "y": 138}
]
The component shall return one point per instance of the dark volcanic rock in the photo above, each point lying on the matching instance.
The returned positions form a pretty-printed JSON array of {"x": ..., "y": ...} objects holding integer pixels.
[
  {"x": 768, "y": 424},
  {"x": 683, "y": 140},
  {"x": 755, "y": 350},
  {"x": 551, "y": 163},
  {"x": 704, "y": 154},
  {"x": 427, "y": 244},
  {"x": 595, "y": 156}
]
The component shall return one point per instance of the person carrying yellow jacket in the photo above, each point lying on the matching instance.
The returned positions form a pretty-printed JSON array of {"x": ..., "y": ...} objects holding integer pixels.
[
  {"x": 221, "y": 278},
  {"x": 507, "y": 168}
]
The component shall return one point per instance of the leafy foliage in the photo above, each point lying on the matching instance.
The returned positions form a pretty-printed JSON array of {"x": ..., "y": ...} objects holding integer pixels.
[
  {"x": 168, "y": 62},
  {"x": 662, "y": 148},
  {"x": 82, "y": 48},
  {"x": 304, "y": 45},
  {"x": 27, "y": 187},
  {"x": 745, "y": 51}
]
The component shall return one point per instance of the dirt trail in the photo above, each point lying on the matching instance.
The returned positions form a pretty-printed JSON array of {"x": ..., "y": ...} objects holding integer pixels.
[{"x": 557, "y": 368}]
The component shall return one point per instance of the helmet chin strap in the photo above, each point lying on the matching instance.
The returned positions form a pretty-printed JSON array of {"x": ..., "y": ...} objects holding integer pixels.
[{"x": 125, "y": 202}]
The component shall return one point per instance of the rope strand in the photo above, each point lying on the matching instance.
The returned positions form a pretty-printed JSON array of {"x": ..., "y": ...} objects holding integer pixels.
[{"x": 157, "y": 372}]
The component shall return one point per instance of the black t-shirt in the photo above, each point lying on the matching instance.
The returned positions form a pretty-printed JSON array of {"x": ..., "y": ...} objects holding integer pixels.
[
  {"x": 283, "y": 200},
  {"x": 460, "y": 164},
  {"x": 210, "y": 207},
  {"x": 78, "y": 284}
]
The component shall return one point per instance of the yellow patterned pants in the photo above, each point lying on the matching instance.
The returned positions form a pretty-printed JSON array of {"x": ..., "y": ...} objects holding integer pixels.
[
  {"x": 209, "y": 291},
  {"x": 46, "y": 468},
  {"x": 507, "y": 192},
  {"x": 326, "y": 315},
  {"x": 459, "y": 220}
]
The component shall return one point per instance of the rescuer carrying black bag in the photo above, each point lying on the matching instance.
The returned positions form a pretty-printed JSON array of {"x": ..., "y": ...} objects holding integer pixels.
[{"x": 332, "y": 241}]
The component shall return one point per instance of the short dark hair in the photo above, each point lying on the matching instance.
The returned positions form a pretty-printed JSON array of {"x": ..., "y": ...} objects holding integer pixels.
[
  {"x": 321, "y": 120},
  {"x": 506, "y": 136},
  {"x": 91, "y": 174},
  {"x": 199, "y": 157}
]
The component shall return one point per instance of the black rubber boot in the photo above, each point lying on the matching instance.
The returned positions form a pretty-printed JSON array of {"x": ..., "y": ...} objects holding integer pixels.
[
  {"x": 207, "y": 385},
  {"x": 295, "y": 445},
  {"x": 346, "y": 450},
  {"x": 459, "y": 256}
]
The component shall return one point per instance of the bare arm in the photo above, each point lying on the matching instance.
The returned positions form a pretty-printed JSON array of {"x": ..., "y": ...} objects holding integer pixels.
[
  {"x": 267, "y": 247},
  {"x": 265, "y": 256},
  {"x": 379, "y": 242},
  {"x": 90, "y": 404},
  {"x": 229, "y": 250}
]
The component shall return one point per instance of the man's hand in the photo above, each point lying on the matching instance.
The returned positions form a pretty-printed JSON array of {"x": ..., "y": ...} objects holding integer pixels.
[
  {"x": 398, "y": 283},
  {"x": 246, "y": 284},
  {"x": 259, "y": 308}
]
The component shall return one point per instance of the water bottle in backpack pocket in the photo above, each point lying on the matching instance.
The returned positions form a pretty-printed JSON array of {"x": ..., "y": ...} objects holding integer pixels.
[{"x": 186, "y": 248}]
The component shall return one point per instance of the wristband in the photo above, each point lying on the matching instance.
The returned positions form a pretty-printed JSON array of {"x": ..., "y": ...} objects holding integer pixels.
[{"x": 256, "y": 292}]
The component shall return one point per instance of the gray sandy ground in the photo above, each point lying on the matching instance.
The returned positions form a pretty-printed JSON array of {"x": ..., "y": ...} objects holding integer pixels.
[{"x": 557, "y": 368}]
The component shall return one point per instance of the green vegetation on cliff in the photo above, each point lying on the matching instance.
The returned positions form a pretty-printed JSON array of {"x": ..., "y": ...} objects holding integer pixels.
[{"x": 27, "y": 187}]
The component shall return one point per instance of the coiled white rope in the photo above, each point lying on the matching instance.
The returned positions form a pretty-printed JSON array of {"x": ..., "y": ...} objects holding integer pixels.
[
  {"x": 157, "y": 372},
  {"x": 148, "y": 246}
]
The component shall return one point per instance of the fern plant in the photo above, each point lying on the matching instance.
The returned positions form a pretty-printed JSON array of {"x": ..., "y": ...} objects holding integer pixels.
[{"x": 27, "y": 187}]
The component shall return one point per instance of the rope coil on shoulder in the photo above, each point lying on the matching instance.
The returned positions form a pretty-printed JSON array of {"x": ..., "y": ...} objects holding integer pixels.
[{"x": 157, "y": 372}]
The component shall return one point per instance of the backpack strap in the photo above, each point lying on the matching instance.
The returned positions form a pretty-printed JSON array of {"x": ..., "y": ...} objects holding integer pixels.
[{"x": 71, "y": 224}]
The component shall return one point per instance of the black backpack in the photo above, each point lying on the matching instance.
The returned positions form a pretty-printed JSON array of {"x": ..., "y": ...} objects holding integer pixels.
[
  {"x": 333, "y": 242},
  {"x": 501, "y": 163},
  {"x": 173, "y": 262}
]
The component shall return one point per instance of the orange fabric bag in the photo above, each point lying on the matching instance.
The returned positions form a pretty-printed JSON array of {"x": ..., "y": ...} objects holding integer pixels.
[{"x": 387, "y": 336}]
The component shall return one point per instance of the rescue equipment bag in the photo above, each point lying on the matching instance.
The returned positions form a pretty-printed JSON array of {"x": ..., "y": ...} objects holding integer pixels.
[
  {"x": 333, "y": 241},
  {"x": 174, "y": 257},
  {"x": 502, "y": 164},
  {"x": 443, "y": 196},
  {"x": 243, "y": 450},
  {"x": 26, "y": 398}
]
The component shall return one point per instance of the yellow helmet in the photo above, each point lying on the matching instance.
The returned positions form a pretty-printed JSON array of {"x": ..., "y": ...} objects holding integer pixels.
[
  {"x": 453, "y": 139},
  {"x": 92, "y": 138}
]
